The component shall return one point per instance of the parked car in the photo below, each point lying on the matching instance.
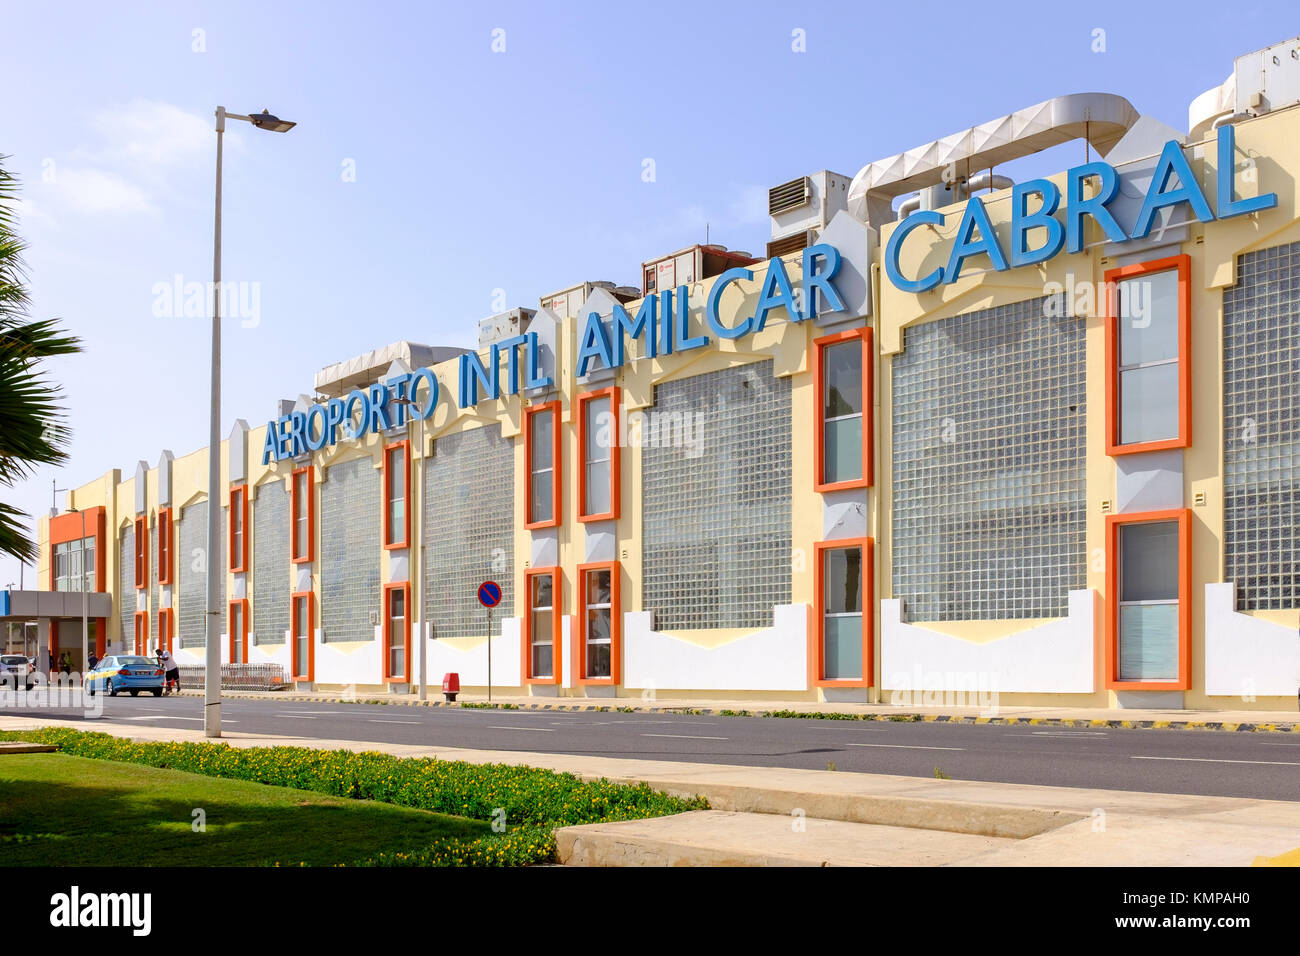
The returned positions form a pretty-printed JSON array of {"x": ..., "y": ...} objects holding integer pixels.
[
  {"x": 16, "y": 669},
  {"x": 125, "y": 672}
]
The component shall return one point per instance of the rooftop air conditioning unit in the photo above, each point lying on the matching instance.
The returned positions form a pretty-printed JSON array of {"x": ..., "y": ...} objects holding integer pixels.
[
  {"x": 507, "y": 325},
  {"x": 690, "y": 265},
  {"x": 801, "y": 208},
  {"x": 567, "y": 302}
]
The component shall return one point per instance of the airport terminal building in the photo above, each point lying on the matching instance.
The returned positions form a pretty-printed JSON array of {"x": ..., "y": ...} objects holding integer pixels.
[{"x": 948, "y": 434}]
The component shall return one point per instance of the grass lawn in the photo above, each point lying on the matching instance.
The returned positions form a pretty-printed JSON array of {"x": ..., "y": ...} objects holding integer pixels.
[{"x": 59, "y": 810}]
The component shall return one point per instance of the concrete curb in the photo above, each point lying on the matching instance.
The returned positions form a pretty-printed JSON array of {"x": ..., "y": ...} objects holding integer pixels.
[{"x": 901, "y": 717}]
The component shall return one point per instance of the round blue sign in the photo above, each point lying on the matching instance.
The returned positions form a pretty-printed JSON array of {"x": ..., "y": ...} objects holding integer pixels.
[{"x": 489, "y": 594}]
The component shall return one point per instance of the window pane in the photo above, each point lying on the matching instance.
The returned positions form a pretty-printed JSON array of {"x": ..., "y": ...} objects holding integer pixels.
[
  {"x": 1148, "y": 402},
  {"x": 842, "y": 579},
  {"x": 843, "y": 377},
  {"x": 1149, "y": 561},
  {"x": 597, "y": 489},
  {"x": 1148, "y": 642},
  {"x": 542, "y": 505},
  {"x": 541, "y": 441},
  {"x": 597, "y": 587},
  {"x": 599, "y": 428},
  {"x": 1148, "y": 318},
  {"x": 843, "y": 452},
  {"x": 542, "y": 590},
  {"x": 543, "y": 660},
  {"x": 842, "y": 657}
]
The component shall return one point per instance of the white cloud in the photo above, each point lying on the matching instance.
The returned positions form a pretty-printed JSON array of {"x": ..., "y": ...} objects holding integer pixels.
[
  {"x": 146, "y": 132},
  {"x": 750, "y": 205},
  {"x": 96, "y": 191}
]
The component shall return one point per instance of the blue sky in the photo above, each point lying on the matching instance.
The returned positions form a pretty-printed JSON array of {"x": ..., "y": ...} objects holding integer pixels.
[{"x": 475, "y": 170}]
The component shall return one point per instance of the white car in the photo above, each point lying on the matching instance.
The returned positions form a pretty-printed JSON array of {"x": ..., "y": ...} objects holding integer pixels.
[{"x": 15, "y": 669}]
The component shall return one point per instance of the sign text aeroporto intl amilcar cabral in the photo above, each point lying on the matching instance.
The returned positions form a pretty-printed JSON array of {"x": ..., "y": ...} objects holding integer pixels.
[{"x": 662, "y": 324}]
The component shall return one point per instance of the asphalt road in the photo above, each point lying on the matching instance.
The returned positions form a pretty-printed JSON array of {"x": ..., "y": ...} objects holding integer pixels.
[{"x": 1265, "y": 765}]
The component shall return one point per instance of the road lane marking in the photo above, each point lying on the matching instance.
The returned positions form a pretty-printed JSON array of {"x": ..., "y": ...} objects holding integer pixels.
[
  {"x": 905, "y": 747},
  {"x": 536, "y": 730},
  {"x": 170, "y": 717},
  {"x": 379, "y": 720},
  {"x": 291, "y": 717},
  {"x": 685, "y": 736},
  {"x": 1271, "y": 763}
]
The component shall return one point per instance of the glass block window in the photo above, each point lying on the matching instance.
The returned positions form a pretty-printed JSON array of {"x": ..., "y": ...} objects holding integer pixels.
[
  {"x": 350, "y": 502},
  {"x": 715, "y": 499},
  {"x": 191, "y": 592},
  {"x": 270, "y": 563},
  {"x": 126, "y": 585},
  {"x": 468, "y": 529},
  {"x": 1261, "y": 422},
  {"x": 988, "y": 464}
]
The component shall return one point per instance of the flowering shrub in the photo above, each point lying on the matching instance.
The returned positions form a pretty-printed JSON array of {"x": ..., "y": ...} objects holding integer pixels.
[{"x": 533, "y": 801}]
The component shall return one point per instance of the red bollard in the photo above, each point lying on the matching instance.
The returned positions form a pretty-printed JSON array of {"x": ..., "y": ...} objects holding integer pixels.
[{"x": 451, "y": 685}]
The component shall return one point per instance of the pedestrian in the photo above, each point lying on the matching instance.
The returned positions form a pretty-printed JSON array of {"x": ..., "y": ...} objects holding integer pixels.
[
  {"x": 173, "y": 672},
  {"x": 66, "y": 663},
  {"x": 91, "y": 660}
]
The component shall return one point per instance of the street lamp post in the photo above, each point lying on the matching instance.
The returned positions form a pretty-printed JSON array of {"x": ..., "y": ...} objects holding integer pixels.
[
  {"x": 417, "y": 566},
  {"x": 212, "y": 669}
]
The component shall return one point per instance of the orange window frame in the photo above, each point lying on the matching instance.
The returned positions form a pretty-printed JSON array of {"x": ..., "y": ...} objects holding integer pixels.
[
  {"x": 557, "y": 628},
  {"x": 614, "y": 469},
  {"x": 868, "y": 410},
  {"x": 615, "y": 626},
  {"x": 293, "y": 635},
  {"x": 1183, "y": 264},
  {"x": 1111, "y": 648},
  {"x": 242, "y": 635},
  {"x": 141, "y": 553},
  {"x": 166, "y": 627},
  {"x": 297, "y": 553},
  {"x": 557, "y": 497},
  {"x": 163, "y": 530},
  {"x": 239, "y": 506},
  {"x": 816, "y": 631},
  {"x": 390, "y": 542},
  {"x": 405, "y": 677},
  {"x": 69, "y": 527},
  {"x": 141, "y": 632}
]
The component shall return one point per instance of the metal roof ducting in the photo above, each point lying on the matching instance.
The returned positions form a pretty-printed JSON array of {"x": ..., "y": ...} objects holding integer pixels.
[
  {"x": 1100, "y": 118},
  {"x": 789, "y": 195},
  {"x": 335, "y": 381}
]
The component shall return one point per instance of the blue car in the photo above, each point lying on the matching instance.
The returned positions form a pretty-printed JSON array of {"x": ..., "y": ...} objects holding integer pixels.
[{"x": 125, "y": 672}]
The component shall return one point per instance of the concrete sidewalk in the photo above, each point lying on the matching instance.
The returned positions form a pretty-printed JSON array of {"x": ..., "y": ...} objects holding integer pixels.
[
  {"x": 763, "y": 815},
  {"x": 1228, "y": 720}
]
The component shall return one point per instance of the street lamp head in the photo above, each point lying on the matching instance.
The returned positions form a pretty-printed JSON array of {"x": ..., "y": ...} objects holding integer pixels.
[{"x": 269, "y": 121}]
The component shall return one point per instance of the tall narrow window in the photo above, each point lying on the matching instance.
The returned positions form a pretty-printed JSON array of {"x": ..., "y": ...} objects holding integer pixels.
[
  {"x": 843, "y": 612},
  {"x": 166, "y": 627},
  {"x": 598, "y": 476},
  {"x": 302, "y": 651},
  {"x": 141, "y": 632},
  {"x": 164, "y": 530},
  {"x": 542, "y": 446},
  {"x": 844, "y": 436},
  {"x": 397, "y": 631},
  {"x": 1148, "y": 593},
  {"x": 397, "y": 491},
  {"x": 302, "y": 534},
  {"x": 1148, "y": 333},
  {"x": 239, "y": 631},
  {"x": 599, "y": 622},
  {"x": 542, "y": 625},
  {"x": 239, "y": 528},
  {"x": 141, "y": 553}
]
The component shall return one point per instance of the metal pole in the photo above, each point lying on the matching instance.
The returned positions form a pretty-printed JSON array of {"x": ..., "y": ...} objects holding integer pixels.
[
  {"x": 212, "y": 669},
  {"x": 417, "y": 549},
  {"x": 489, "y": 610}
]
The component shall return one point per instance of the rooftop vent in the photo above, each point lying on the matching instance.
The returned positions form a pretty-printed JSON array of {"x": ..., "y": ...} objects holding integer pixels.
[{"x": 791, "y": 195}]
